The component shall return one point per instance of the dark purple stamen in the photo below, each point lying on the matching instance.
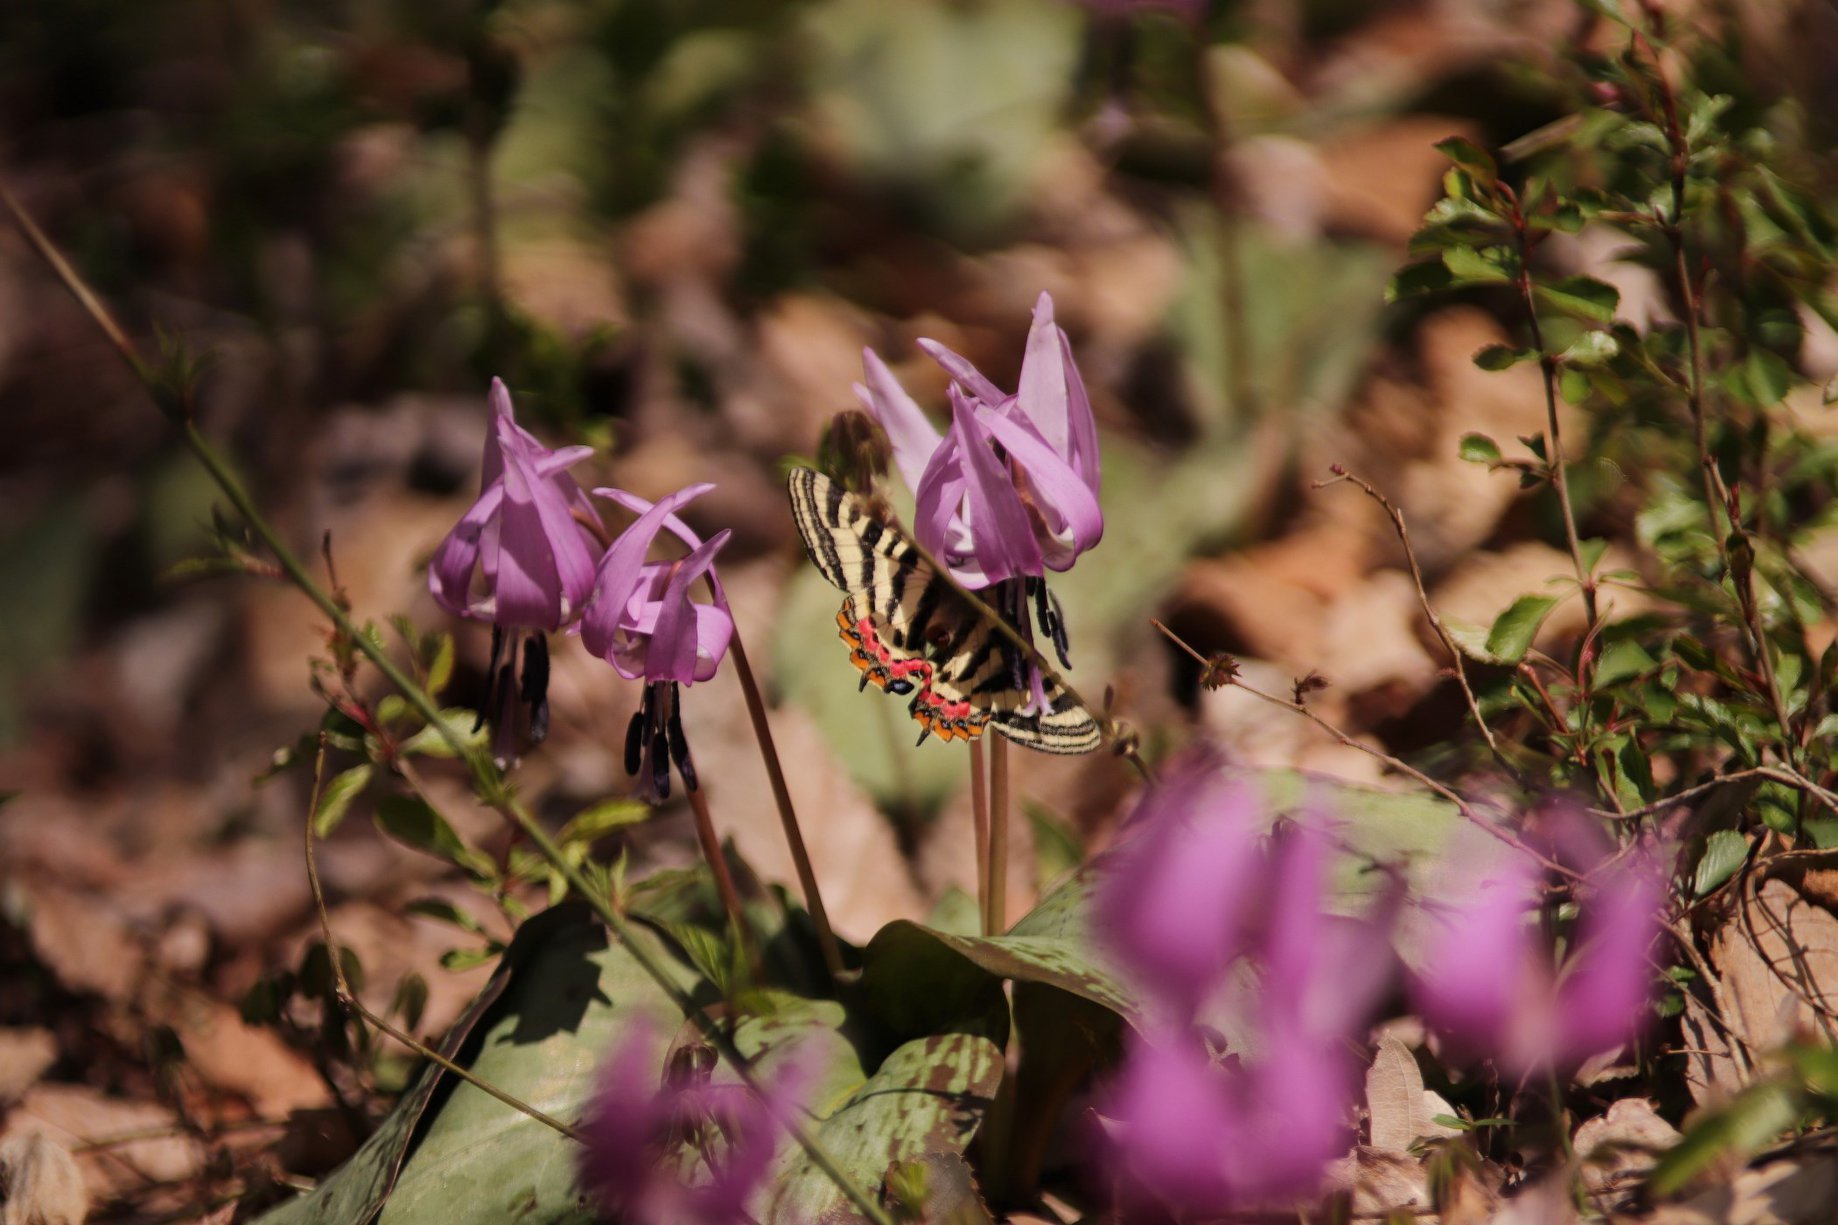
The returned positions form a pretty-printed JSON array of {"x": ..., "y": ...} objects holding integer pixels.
[
  {"x": 535, "y": 687},
  {"x": 679, "y": 743},
  {"x": 491, "y": 678}
]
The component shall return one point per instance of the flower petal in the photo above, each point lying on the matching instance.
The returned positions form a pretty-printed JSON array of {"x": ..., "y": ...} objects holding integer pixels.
[
  {"x": 1481, "y": 980},
  {"x": 1603, "y": 998},
  {"x": 1004, "y": 537},
  {"x": 450, "y": 571},
  {"x": 679, "y": 637},
  {"x": 960, "y": 369},
  {"x": 1042, "y": 396},
  {"x": 910, "y": 432},
  {"x": 1068, "y": 507},
  {"x": 680, "y": 529}
]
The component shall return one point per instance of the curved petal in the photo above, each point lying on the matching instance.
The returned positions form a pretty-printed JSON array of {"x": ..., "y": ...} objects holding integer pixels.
[
  {"x": 910, "y": 432},
  {"x": 1042, "y": 396},
  {"x": 675, "y": 641},
  {"x": 491, "y": 467},
  {"x": 959, "y": 368},
  {"x": 1603, "y": 998},
  {"x": 680, "y": 529},
  {"x": 1068, "y": 507},
  {"x": 1481, "y": 979},
  {"x": 622, "y": 568},
  {"x": 450, "y": 570},
  {"x": 1003, "y": 536},
  {"x": 1082, "y": 426}
]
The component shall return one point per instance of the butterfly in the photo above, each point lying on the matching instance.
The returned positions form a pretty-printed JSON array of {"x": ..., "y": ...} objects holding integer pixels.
[{"x": 911, "y": 632}]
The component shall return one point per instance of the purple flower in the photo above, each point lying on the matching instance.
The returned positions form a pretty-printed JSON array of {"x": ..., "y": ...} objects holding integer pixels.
[
  {"x": 521, "y": 558},
  {"x": 1194, "y": 891},
  {"x": 1173, "y": 908},
  {"x": 533, "y": 557},
  {"x": 1012, "y": 490},
  {"x": 688, "y": 1151},
  {"x": 641, "y": 620},
  {"x": 1490, "y": 987}
]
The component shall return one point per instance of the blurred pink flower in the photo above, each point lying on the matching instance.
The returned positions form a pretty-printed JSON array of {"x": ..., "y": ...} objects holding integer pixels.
[
  {"x": 1194, "y": 891},
  {"x": 688, "y": 1151},
  {"x": 641, "y": 620},
  {"x": 522, "y": 558},
  {"x": 1490, "y": 986}
]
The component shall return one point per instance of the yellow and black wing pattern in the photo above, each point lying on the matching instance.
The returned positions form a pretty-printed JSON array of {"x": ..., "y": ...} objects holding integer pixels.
[{"x": 910, "y": 632}]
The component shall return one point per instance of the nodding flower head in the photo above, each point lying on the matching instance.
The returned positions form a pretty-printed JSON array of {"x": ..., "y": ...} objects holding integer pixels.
[
  {"x": 522, "y": 558},
  {"x": 641, "y": 620}
]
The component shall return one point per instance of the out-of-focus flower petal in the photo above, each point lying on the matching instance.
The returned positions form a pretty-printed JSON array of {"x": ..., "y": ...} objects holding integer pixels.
[
  {"x": 1293, "y": 1108},
  {"x": 1172, "y": 909},
  {"x": 1608, "y": 983},
  {"x": 909, "y": 431},
  {"x": 1480, "y": 970},
  {"x": 1172, "y": 1122}
]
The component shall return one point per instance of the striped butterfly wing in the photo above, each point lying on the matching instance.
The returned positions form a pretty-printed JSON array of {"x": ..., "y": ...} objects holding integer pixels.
[{"x": 909, "y": 631}]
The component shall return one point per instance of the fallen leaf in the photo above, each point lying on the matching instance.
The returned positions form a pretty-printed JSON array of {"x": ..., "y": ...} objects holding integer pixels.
[
  {"x": 82, "y": 940},
  {"x": 24, "y": 1056},
  {"x": 40, "y": 1183},
  {"x": 227, "y": 1052},
  {"x": 1622, "y": 1144},
  {"x": 1398, "y": 1107},
  {"x": 1783, "y": 978},
  {"x": 1380, "y": 1182},
  {"x": 1795, "y": 1192},
  {"x": 75, "y": 1115}
]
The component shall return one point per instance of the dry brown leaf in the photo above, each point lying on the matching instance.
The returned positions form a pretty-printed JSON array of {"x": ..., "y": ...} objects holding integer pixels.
[
  {"x": 24, "y": 1056},
  {"x": 1712, "y": 1073},
  {"x": 1622, "y": 1144},
  {"x": 1380, "y": 1182},
  {"x": 75, "y": 1115},
  {"x": 227, "y": 1052},
  {"x": 1399, "y": 1109},
  {"x": 40, "y": 1183},
  {"x": 1780, "y": 969},
  {"x": 83, "y": 941},
  {"x": 1803, "y": 1192},
  {"x": 1381, "y": 179}
]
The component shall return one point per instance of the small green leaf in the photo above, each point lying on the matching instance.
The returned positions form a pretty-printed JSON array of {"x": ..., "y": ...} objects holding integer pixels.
[
  {"x": 1479, "y": 449},
  {"x": 1470, "y": 639},
  {"x": 1767, "y": 376},
  {"x": 598, "y": 820},
  {"x": 431, "y": 742},
  {"x": 1466, "y": 264},
  {"x": 1430, "y": 276},
  {"x": 465, "y": 959},
  {"x": 412, "y": 820},
  {"x": 1502, "y": 357},
  {"x": 440, "y": 666},
  {"x": 1622, "y": 661},
  {"x": 1583, "y": 297},
  {"x": 335, "y": 799},
  {"x": 391, "y": 708},
  {"x": 1513, "y": 630},
  {"x": 1590, "y": 349},
  {"x": 1757, "y": 1115},
  {"x": 446, "y": 912},
  {"x": 1724, "y": 852},
  {"x": 411, "y": 999},
  {"x": 1472, "y": 158}
]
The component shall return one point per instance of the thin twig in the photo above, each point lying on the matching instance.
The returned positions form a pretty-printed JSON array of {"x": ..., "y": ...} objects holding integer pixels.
[
  {"x": 788, "y": 817},
  {"x": 1466, "y": 809},
  {"x": 348, "y": 997},
  {"x": 1776, "y": 773},
  {"x": 1554, "y": 441},
  {"x": 489, "y": 781},
  {"x": 1456, "y": 660}
]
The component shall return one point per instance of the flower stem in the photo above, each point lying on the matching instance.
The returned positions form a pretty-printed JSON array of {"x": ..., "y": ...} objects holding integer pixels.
[
  {"x": 487, "y": 778},
  {"x": 979, "y": 815},
  {"x": 998, "y": 836},
  {"x": 788, "y": 816},
  {"x": 724, "y": 879}
]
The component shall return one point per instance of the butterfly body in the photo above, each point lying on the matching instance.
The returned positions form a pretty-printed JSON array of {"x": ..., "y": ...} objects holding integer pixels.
[{"x": 911, "y": 632}]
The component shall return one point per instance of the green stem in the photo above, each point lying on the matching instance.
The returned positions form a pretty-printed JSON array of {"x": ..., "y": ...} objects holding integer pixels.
[{"x": 490, "y": 782}]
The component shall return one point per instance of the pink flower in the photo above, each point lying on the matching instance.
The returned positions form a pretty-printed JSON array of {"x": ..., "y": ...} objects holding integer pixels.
[
  {"x": 1193, "y": 892},
  {"x": 688, "y": 1151},
  {"x": 521, "y": 539},
  {"x": 1012, "y": 489},
  {"x": 641, "y": 620},
  {"x": 521, "y": 558},
  {"x": 1489, "y": 984}
]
